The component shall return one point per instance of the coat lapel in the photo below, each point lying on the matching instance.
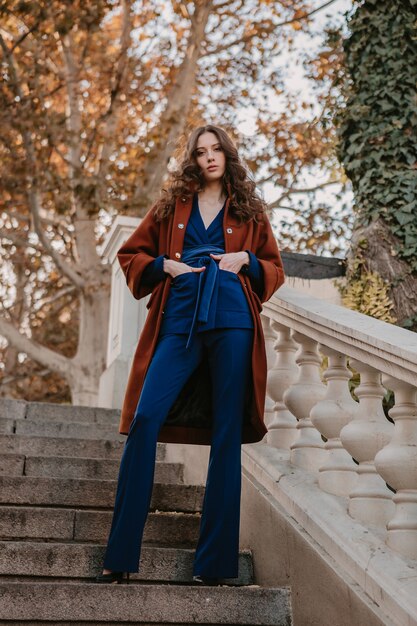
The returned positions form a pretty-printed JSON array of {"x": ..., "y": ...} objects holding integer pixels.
[
  {"x": 232, "y": 231},
  {"x": 182, "y": 214}
]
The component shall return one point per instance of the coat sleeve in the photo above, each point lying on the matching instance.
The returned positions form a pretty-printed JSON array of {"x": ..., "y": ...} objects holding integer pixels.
[
  {"x": 137, "y": 253},
  {"x": 255, "y": 273},
  {"x": 269, "y": 257},
  {"x": 154, "y": 272}
]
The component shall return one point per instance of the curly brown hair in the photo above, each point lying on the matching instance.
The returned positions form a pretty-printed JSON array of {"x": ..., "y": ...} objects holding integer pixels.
[{"x": 245, "y": 203}]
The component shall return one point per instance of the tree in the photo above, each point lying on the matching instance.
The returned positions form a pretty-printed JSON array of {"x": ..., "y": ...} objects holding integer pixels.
[
  {"x": 52, "y": 189},
  {"x": 377, "y": 130},
  {"x": 93, "y": 98}
]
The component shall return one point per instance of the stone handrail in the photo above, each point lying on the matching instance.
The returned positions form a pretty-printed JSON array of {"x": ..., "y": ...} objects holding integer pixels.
[
  {"x": 356, "y": 451},
  {"x": 389, "y": 348}
]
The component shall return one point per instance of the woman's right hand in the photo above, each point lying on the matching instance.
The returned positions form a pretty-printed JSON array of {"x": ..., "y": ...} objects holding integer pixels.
[{"x": 175, "y": 268}]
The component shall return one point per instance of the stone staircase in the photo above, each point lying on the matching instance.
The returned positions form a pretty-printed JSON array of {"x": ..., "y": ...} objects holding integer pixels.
[{"x": 58, "y": 473}]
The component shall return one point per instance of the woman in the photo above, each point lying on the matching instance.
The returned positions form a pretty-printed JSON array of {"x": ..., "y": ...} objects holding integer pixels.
[{"x": 207, "y": 254}]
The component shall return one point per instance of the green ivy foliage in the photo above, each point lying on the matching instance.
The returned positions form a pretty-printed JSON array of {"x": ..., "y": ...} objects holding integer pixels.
[
  {"x": 377, "y": 129},
  {"x": 367, "y": 293}
]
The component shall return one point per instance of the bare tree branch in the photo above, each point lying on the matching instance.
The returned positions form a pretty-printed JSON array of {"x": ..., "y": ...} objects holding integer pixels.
[
  {"x": 24, "y": 35},
  {"x": 283, "y": 207},
  {"x": 276, "y": 203},
  {"x": 19, "y": 241},
  {"x": 320, "y": 8},
  {"x": 266, "y": 179},
  {"x": 7, "y": 380},
  {"x": 30, "y": 30},
  {"x": 74, "y": 122},
  {"x": 58, "y": 152},
  {"x": 39, "y": 304},
  {"x": 227, "y": 3},
  {"x": 50, "y": 220},
  {"x": 110, "y": 116},
  {"x": 268, "y": 29},
  {"x": 33, "y": 349},
  {"x": 70, "y": 272}
]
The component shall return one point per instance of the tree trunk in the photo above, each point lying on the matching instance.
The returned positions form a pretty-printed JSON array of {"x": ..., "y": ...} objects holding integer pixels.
[
  {"x": 379, "y": 257},
  {"x": 90, "y": 360}
]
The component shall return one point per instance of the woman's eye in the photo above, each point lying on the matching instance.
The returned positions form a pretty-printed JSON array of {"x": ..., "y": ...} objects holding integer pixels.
[{"x": 219, "y": 148}]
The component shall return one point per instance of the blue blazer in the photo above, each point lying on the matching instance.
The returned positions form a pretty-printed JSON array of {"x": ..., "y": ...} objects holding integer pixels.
[{"x": 226, "y": 306}]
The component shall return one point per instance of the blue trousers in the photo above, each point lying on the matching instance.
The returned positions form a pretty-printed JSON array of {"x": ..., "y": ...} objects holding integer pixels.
[{"x": 229, "y": 355}]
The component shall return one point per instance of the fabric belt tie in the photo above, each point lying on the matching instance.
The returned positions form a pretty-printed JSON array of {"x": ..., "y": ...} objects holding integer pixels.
[{"x": 197, "y": 256}]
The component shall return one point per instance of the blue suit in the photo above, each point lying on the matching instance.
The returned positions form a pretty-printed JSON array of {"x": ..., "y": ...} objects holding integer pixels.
[{"x": 205, "y": 315}]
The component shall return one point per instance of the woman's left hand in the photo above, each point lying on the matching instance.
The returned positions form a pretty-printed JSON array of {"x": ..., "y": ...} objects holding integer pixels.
[{"x": 231, "y": 261}]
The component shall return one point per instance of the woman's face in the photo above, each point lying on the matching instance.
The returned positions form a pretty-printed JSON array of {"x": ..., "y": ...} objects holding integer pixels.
[{"x": 210, "y": 156}]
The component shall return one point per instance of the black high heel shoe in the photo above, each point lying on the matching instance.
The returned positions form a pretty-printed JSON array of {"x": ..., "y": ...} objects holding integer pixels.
[{"x": 113, "y": 577}]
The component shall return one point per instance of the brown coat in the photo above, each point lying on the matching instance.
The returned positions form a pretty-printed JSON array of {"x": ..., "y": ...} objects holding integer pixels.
[{"x": 189, "y": 420}]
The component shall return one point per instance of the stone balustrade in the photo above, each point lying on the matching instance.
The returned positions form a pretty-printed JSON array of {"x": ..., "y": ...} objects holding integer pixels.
[{"x": 355, "y": 450}]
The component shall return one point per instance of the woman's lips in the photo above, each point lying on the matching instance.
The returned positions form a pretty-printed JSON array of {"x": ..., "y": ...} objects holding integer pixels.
[{"x": 212, "y": 167}]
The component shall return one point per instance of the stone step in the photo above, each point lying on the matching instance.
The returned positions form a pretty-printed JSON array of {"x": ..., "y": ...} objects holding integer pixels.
[
  {"x": 58, "y": 478},
  {"x": 79, "y": 467},
  {"x": 162, "y": 527},
  {"x": 143, "y": 603},
  {"x": 10, "y": 408},
  {"x": 74, "y": 447},
  {"x": 83, "y": 623},
  {"x": 19, "y": 409},
  {"x": 77, "y": 560},
  {"x": 70, "y": 428},
  {"x": 89, "y": 493},
  {"x": 7, "y": 425},
  {"x": 68, "y": 412}
]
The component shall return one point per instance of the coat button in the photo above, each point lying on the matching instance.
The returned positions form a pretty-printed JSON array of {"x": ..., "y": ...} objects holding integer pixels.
[
  {"x": 184, "y": 199},
  {"x": 229, "y": 230},
  {"x": 180, "y": 225},
  {"x": 177, "y": 254}
]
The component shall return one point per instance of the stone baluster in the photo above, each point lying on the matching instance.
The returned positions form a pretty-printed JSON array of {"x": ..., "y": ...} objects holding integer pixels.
[
  {"x": 397, "y": 464},
  {"x": 338, "y": 473},
  {"x": 282, "y": 430},
  {"x": 270, "y": 356},
  {"x": 370, "y": 500},
  {"x": 307, "y": 451}
]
